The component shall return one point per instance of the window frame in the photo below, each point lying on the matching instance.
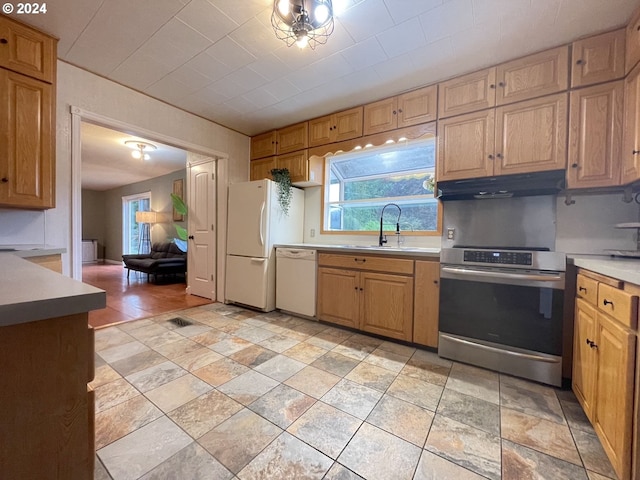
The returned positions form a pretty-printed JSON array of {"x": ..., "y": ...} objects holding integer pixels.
[{"x": 377, "y": 141}]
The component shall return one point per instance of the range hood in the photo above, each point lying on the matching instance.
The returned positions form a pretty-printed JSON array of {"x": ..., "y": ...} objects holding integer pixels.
[{"x": 504, "y": 186}]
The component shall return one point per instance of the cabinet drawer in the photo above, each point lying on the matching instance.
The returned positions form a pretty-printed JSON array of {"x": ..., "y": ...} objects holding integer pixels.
[
  {"x": 618, "y": 304},
  {"x": 366, "y": 262},
  {"x": 587, "y": 288}
]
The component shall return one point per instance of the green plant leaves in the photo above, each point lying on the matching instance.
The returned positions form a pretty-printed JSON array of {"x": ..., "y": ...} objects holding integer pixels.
[{"x": 178, "y": 204}]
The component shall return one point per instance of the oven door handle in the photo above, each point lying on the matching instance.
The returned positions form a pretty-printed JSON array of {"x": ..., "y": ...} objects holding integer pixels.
[{"x": 461, "y": 272}]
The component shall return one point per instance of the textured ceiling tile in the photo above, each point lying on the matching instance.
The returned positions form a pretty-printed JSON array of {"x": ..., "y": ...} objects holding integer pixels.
[
  {"x": 260, "y": 98},
  {"x": 402, "y": 38},
  {"x": 448, "y": 19},
  {"x": 183, "y": 37},
  {"x": 190, "y": 77},
  {"x": 270, "y": 67},
  {"x": 366, "y": 19},
  {"x": 256, "y": 38},
  {"x": 230, "y": 53},
  {"x": 204, "y": 17},
  {"x": 242, "y": 10},
  {"x": 169, "y": 89},
  {"x": 208, "y": 66},
  {"x": 139, "y": 71},
  {"x": 281, "y": 89},
  {"x": 245, "y": 79},
  {"x": 402, "y": 10}
]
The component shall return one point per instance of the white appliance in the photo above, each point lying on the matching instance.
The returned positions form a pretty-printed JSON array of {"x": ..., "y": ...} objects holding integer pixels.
[
  {"x": 256, "y": 223},
  {"x": 296, "y": 281}
]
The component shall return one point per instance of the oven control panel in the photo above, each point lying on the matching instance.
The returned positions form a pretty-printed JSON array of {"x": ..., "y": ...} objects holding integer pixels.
[{"x": 501, "y": 257}]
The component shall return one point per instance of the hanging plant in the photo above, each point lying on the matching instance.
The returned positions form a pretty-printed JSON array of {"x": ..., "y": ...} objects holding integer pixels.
[{"x": 282, "y": 177}]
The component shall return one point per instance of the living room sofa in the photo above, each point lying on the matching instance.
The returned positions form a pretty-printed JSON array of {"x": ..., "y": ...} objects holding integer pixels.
[{"x": 164, "y": 259}]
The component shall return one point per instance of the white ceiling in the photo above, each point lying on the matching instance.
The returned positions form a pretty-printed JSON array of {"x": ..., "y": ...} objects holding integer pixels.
[
  {"x": 220, "y": 59},
  {"x": 107, "y": 162}
]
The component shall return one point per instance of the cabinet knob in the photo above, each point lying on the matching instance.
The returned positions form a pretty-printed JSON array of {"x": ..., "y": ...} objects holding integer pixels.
[
  {"x": 493, "y": 85},
  {"x": 399, "y": 110},
  {"x": 635, "y": 152},
  {"x": 498, "y": 155},
  {"x": 574, "y": 165},
  {"x": 4, "y": 41},
  {"x": 502, "y": 84},
  {"x": 395, "y": 113},
  {"x": 4, "y": 180},
  {"x": 435, "y": 282},
  {"x": 580, "y": 62},
  {"x": 582, "y": 289},
  {"x": 490, "y": 157},
  {"x": 592, "y": 344}
]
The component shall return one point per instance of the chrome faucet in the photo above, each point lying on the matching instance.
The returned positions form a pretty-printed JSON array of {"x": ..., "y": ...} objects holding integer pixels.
[{"x": 383, "y": 239}]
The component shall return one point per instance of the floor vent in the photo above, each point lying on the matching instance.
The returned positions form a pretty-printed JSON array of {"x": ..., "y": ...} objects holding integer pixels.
[{"x": 180, "y": 322}]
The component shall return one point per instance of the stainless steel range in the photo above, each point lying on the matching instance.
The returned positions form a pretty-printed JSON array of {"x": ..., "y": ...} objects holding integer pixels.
[{"x": 502, "y": 308}]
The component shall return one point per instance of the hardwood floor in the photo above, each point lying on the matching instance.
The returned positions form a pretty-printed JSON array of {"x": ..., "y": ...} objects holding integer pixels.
[{"x": 135, "y": 298}]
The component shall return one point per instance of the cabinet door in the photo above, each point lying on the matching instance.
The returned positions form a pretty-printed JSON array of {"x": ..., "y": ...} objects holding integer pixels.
[
  {"x": 631, "y": 147},
  {"x": 533, "y": 76},
  {"x": 598, "y": 59},
  {"x": 532, "y": 136},
  {"x": 632, "y": 50},
  {"x": 297, "y": 163},
  {"x": 320, "y": 131},
  {"x": 347, "y": 124},
  {"x": 613, "y": 417},
  {"x": 27, "y": 171},
  {"x": 426, "y": 298},
  {"x": 467, "y": 93},
  {"x": 27, "y": 51},
  {"x": 387, "y": 305},
  {"x": 466, "y": 146},
  {"x": 584, "y": 357},
  {"x": 595, "y": 136},
  {"x": 338, "y": 295},
  {"x": 418, "y": 106},
  {"x": 262, "y": 168},
  {"x": 264, "y": 145},
  {"x": 295, "y": 137},
  {"x": 381, "y": 116}
]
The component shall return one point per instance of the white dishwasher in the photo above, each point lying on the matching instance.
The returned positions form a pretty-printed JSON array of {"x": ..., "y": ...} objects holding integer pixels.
[{"x": 296, "y": 280}]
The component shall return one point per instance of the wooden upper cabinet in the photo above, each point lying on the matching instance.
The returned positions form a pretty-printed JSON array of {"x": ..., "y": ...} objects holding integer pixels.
[
  {"x": 292, "y": 138},
  {"x": 297, "y": 163},
  {"x": 467, "y": 93},
  {"x": 418, "y": 106},
  {"x": 261, "y": 168},
  {"x": 264, "y": 145},
  {"x": 27, "y": 51},
  {"x": 598, "y": 59},
  {"x": 381, "y": 116},
  {"x": 595, "y": 136},
  {"x": 532, "y": 136},
  {"x": 533, "y": 76},
  {"x": 632, "y": 50},
  {"x": 336, "y": 127},
  {"x": 631, "y": 145},
  {"x": 466, "y": 146},
  {"x": 27, "y": 169}
]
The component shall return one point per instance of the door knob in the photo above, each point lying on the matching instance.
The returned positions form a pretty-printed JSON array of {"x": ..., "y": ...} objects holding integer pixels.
[{"x": 191, "y": 237}]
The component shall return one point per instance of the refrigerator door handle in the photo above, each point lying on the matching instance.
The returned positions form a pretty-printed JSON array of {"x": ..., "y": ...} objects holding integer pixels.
[{"x": 262, "y": 223}]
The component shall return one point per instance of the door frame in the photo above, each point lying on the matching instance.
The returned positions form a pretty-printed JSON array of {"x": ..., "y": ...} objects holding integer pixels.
[{"x": 78, "y": 115}]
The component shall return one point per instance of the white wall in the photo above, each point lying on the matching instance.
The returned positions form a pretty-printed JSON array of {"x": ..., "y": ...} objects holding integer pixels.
[{"x": 103, "y": 97}]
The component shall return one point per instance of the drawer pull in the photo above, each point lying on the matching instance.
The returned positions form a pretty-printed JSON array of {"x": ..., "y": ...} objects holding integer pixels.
[
  {"x": 582, "y": 289},
  {"x": 360, "y": 260},
  {"x": 592, "y": 344},
  {"x": 607, "y": 302}
]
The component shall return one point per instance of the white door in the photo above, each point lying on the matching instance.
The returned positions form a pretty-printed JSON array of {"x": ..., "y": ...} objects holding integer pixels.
[
  {"x": 201, "y": 250},
  {"x": 248, "y": 219}
]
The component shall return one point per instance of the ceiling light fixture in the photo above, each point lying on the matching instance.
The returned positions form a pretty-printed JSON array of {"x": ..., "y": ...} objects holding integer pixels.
[
  {"x": 303, "y": 22},
  {"x": 140, "y": 148}
]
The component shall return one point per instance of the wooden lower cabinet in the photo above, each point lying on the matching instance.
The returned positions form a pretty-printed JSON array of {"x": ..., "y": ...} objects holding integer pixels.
[
  {"x": 426, "y": 303},
  {"x": 604, "y": 358},
  {"x": 47, "y": 412},
  {"x": 373, "y": 301}
]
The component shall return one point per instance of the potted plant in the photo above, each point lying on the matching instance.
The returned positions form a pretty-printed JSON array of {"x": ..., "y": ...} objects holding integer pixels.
[
  {"x": 282, "y": 177},
  {"x": 181, "y": 232}
]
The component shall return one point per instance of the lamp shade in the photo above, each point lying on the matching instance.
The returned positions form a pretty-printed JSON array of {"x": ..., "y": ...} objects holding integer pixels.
[{"x": 146, "y": 217}]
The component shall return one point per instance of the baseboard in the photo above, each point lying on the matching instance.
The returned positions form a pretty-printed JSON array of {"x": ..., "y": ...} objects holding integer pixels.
[{"x": 112, "y": 262}]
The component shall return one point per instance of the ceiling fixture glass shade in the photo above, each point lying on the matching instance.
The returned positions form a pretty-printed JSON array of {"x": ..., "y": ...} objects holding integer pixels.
[
  {"x": 140, "y": 148},
  {"x": 303, "y": 22}
]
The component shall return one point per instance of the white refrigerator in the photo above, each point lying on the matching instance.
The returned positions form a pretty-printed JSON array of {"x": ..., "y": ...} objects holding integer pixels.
[{"x": 256, "y": 223}]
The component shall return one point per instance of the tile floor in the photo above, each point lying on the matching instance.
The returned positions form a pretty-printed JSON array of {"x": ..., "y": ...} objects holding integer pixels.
[{"x": 244, "y": 395}]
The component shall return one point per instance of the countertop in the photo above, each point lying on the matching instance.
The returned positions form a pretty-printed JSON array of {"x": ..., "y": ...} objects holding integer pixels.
[
  {"x": 29, "y": 292},
  {"x": 31, "y": 250},
  {"x": 625, "y": 269},
  {"x": 406, "y": 251}
]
